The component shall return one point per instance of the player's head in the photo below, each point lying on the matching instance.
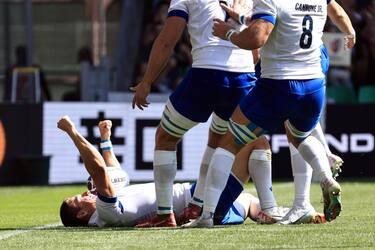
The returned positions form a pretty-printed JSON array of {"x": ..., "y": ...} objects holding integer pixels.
[{"x": 76, "y": 211}]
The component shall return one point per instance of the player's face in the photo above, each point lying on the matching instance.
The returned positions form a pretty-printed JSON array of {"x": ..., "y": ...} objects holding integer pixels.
[{"x": 83, "y": 200}]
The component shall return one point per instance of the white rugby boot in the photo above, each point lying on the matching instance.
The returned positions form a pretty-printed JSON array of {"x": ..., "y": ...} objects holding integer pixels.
[
  {"x": 199, "y": 223},
  {"x": 302, "y": 215},
  {"x": 271, "y": 215}
]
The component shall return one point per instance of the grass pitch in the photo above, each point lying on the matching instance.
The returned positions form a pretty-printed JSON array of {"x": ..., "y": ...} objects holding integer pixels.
[{"x": 29, "y": 220}]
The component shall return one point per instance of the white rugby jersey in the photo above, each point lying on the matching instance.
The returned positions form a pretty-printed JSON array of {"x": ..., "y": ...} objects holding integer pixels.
[
  {"x": 209, "y": 51},
  {"x": 293, "y": 48},
  {"x": 135, "y": 203}
]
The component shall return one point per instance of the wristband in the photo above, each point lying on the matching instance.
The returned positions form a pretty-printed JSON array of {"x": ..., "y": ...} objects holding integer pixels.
[
  {"x": 242, "y": 19},
  {"x": 105, "y": 145},
  {"x": 229, "y": 34}
]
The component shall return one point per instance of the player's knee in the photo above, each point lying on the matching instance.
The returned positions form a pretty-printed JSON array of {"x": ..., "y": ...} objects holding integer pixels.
[
  {"x": 261, "y": 143},
  {"x": 164, "y": 140}
]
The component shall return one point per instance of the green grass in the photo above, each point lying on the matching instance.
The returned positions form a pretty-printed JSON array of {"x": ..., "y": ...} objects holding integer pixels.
[{"x": 22, "y": 209}]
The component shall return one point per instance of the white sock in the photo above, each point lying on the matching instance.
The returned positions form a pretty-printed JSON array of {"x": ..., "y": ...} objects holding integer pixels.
[
  {"x": 217, "y": 177},
  {"x": 199, "y": 188},
  {"x": 260, "y": 170},
  {"x": 165, "y": 168},
  {"x": 302, "y": 174},
  {"x": 318, "y": 134},
  {"x": 313, "y": 152}
]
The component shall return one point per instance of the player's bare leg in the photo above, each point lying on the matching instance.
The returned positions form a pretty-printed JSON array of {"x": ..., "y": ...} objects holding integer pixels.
[
  {"x": 303, "y": 211},
  {"x": 194, "y": 209},
  {"x": 335, "y": 161},
  {"x": 165, "y": 168},
  {"x": 313, "y": 152},
  {"x": 221, "y": 165}
]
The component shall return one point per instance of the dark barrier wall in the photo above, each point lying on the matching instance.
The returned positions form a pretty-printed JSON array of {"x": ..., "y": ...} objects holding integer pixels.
[
  {"x": 354, "y": 127},
  {"x": 20, "y": 136}
]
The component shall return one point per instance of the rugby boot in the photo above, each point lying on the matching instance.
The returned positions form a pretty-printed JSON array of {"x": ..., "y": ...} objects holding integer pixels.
[
  {"x": 302, "y": 215},
  {"x": 200, "y": 222},
  {"x": 167, "y": 220},
  {"x": 331, "y": 198},
  {"x": 271, "y": 215},
  {"x": 191, "y": 212}
]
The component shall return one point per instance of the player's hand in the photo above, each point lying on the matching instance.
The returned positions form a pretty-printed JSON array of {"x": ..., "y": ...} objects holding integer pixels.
[
  {"x": 349, "y": 41},
  {"x": 220, "y": 28},
  {"x": 105, "y": 129},
  {"x": 65, "y": 124},
  {"x": 140, "y": 96},
  {"x": 239, "y": 7}
]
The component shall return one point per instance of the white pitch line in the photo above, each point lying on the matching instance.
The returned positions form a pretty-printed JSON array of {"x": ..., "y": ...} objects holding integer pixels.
[{"x": 7, "y": 234}]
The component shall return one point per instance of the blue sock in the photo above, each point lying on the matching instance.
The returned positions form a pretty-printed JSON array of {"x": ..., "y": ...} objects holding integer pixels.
[{"x": 232, "y": 190}]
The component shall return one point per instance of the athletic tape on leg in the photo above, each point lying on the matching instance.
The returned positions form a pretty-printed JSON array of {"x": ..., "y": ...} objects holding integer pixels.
[
  {"x": 243, "y": 134},
  {"x": 174, "y": 123},
  {"x": 295, "y": 132},
  {"x": 218, "y": 125}
]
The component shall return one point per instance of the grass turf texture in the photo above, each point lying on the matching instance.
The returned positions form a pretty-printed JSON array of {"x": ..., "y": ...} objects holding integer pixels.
[{"x": 24, "y": 212}]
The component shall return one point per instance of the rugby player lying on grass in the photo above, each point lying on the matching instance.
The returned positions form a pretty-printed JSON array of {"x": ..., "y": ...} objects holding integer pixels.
[{"x": 115, "y": 204}]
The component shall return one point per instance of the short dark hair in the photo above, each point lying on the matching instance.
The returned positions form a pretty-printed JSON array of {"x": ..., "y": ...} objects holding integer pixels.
[{"x": 68, "y": 215}]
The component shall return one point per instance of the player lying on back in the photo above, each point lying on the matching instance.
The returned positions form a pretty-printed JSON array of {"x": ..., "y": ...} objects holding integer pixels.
[{"x": 112, "y": 203}]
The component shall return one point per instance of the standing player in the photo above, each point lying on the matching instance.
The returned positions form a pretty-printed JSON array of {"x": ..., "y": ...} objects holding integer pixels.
[
  {"x": 221, "y": 75},
  {"x": 301, "y": 171},
  {"x": 291, "y": 90}
]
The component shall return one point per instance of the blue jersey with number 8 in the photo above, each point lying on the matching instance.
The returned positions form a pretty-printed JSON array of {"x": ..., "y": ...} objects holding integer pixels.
[{"x": 293, "y": 49}]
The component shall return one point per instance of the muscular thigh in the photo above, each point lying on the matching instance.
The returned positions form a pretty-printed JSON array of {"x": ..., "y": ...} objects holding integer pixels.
[{"x": 308, "y": 110}]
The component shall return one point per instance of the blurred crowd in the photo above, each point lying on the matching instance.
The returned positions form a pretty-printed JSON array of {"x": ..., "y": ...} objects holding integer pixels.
[
  {"x": 179, "y": 62},
  {"x": 361, "y": 13}
]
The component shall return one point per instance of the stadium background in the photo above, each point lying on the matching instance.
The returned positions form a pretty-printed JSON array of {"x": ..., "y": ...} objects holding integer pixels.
[{"x": 88, "y": 53}]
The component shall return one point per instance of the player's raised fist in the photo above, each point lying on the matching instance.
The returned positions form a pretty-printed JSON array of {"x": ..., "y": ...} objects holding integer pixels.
[
  {"x": 105, "y": 129},
  {"x": 65, "y": 124}
]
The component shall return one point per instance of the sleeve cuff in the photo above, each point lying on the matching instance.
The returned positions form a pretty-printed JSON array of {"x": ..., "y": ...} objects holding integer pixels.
[
  {"x": 179, "y": 13},
  {"x": 107, "y": 199},
  {"x": 266, "y": 17}
]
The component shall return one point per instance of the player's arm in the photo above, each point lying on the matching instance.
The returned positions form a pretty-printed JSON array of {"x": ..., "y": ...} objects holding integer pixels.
[
  {"x": 251, "y": 38},
  {"x": 159, "y": 56},
  {"x": 106, "y": 145},
  {"x": 256, "y": 56},
  {"x": 339, "y": 17},
  {"x": 93, "y": 161}
]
